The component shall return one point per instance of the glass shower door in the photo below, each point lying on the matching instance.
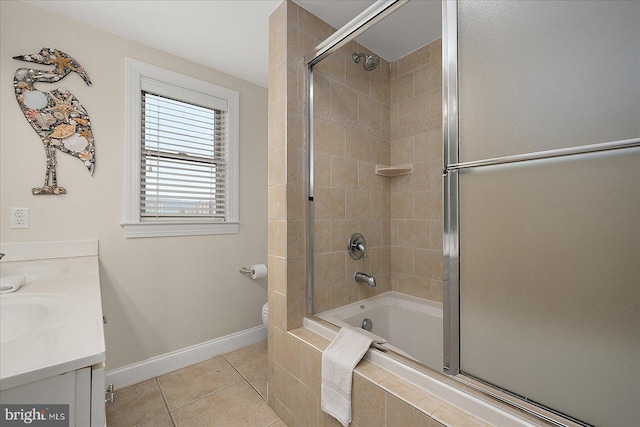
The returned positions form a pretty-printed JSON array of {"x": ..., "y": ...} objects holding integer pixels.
[{"x": 547, "y": 200}]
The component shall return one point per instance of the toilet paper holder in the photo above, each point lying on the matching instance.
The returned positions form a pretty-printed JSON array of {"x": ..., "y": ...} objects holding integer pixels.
[{"x": 245, "y": 270}]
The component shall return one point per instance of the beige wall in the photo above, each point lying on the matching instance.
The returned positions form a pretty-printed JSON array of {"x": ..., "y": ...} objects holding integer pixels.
[{"x": 160, "y": 294}]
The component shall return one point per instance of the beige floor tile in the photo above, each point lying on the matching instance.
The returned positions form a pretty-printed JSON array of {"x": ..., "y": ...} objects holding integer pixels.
[
  {"x": 136, "y": 404},
  {"x": 163, "y": 421},
  {"x": 259, "y": 383},
  {"x": 238, "y": 405},
  {"x": 278, "y": 423},
  {"x": 193, "y": 382},
  {"x": 250, "y": 360}
]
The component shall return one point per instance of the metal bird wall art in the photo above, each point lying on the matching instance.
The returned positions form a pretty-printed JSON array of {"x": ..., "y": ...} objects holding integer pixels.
[{"x": 57, "y": 116}]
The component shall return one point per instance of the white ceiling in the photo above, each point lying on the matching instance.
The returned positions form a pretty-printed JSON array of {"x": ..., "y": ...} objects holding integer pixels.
[{"x": 232, "y": 35}]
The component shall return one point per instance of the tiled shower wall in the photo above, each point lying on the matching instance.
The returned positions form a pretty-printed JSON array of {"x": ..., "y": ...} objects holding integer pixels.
[
  {"x": 389, "y": 116},
  {"x": 351, "y": 136},
  {"x": 416, "y": 199}
]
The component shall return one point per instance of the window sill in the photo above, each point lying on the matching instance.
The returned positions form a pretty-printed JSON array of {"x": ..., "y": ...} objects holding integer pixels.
[{"x": 134, "y": 230}]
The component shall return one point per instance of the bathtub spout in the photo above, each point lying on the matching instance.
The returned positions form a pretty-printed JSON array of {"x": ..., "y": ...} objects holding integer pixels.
[{"x": 365, "y": 278}]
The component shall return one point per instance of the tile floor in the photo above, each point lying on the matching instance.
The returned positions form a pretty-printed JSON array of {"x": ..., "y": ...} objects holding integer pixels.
[{"x": 227, "y": 390}]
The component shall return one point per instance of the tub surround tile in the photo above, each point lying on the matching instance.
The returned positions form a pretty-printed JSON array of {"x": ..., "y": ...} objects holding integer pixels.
[
  {"x": 400, "y": 414},
  {"x": 454, "y": 417},
  {"x": 366, "y": 409}
]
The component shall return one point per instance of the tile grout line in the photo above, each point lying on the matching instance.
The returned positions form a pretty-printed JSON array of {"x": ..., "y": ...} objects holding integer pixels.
[
  {"x": 246, "y": 379},
  {"x": 206, "y": 395},
  {"x": 166, "y": 404}
]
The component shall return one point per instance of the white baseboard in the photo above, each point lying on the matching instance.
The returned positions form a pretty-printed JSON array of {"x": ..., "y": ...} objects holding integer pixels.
[{"x": 160, "y": 365}]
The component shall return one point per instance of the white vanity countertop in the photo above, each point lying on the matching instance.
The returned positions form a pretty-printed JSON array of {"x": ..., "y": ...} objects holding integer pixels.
[{"x": 72, "y": 335}]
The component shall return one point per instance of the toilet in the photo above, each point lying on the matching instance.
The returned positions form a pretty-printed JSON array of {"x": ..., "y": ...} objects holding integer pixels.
[{"x": 265, "y": 315}]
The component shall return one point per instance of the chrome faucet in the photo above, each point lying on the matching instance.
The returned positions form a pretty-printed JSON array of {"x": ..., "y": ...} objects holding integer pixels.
[
  {"x": 357, "y": 246},
  {"x": 365, "y": 278}
]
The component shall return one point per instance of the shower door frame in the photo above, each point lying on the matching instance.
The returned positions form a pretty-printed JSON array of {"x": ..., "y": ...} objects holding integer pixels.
[{"x": 451, "y": 222}]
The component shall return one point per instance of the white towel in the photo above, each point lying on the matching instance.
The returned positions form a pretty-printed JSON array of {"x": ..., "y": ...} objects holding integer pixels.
[
  {"x": 338, "y": 362},
  {"x": 11, "y": 283}
]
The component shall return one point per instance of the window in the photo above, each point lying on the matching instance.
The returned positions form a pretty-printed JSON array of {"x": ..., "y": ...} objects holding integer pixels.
[{"x": 182, "y": 155}]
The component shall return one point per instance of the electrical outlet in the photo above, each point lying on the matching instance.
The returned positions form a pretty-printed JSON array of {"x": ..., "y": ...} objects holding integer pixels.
[{"x": 19, "y": 217}]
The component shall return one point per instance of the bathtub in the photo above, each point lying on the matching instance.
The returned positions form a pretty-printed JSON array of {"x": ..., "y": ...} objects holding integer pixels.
[{"x": 394, "y": 316}]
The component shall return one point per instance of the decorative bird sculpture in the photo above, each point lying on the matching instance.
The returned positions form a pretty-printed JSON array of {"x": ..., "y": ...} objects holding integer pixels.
[{"x": 57, "y": 116}]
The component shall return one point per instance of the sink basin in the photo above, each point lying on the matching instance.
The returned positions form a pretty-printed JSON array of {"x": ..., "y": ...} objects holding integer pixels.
[{"x": 22, "y": 315}]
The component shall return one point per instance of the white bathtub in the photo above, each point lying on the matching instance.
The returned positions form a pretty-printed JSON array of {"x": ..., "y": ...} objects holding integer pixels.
[{"x": 394, "y": 316}]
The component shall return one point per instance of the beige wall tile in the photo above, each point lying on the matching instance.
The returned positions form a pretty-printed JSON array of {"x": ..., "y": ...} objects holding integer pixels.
[
  {"x": 344, "y": 173},
  {"x": 359, "y": 205},
  {"x": 277, "y": 277},
  {"x": 311, "y": 368},
  {"x": 329, "y": 203},
  {"x": 277, "y": 166},
  {"x": 414, "y": 233},
  {"x": 414, "y": 60},
  {"x": 413, "y": 285},
  {"x": 344, "y": 101},
  {"x": 287, "y": 352},
  {"x": 322, "y": 236},
  {"x": 402, "y": 259},
  {"x": 372, "y": 232},
  {"x": 402, "y": 88},
  {"x": 344, "y": 293},
  {"x": 322, "y": 169},
  {"x": 428, "y": 146},
  {"x": 369, "y": 111},
  {"x": 321, "y": 93},
  {"x": 330, "y": 269},
  {"x": 279, "y": 230},
  {"x": 437, "y": 291},
  {"x": 380, "y": 205},
  {"x": 452, "y": 416},
  {"x": 365, "y": 400},
  {"x": 402, "y": 151},
  {"x": 278, "y": 310},
  {"x": 400, "y": 414},
  {"x": 329, "y": 138},
  {"x": 402, "y": 206},
  {"x": 358, "y": 145}
]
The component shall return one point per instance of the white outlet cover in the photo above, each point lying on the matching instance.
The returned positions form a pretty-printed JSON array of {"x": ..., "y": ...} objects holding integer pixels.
[{"x": 19, "y": 217}]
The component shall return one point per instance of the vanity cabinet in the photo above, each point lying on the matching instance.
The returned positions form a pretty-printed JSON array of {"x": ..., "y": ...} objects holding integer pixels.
[{"x": 82, "y": 389}]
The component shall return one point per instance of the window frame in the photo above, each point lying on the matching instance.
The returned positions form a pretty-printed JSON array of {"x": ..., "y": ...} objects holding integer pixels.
[{"x": 189, "y": 90}]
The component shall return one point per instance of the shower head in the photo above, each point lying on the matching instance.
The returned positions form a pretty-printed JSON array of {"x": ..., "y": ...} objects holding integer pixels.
[{"x": 370, "y": 61}]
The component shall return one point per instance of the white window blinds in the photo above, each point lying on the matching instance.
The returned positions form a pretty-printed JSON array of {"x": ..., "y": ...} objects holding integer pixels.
[{"x": 183, "y": 160}]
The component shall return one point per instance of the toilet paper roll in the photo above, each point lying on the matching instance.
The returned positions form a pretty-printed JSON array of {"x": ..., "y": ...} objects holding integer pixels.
[{"x": 258, "y": 271}]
